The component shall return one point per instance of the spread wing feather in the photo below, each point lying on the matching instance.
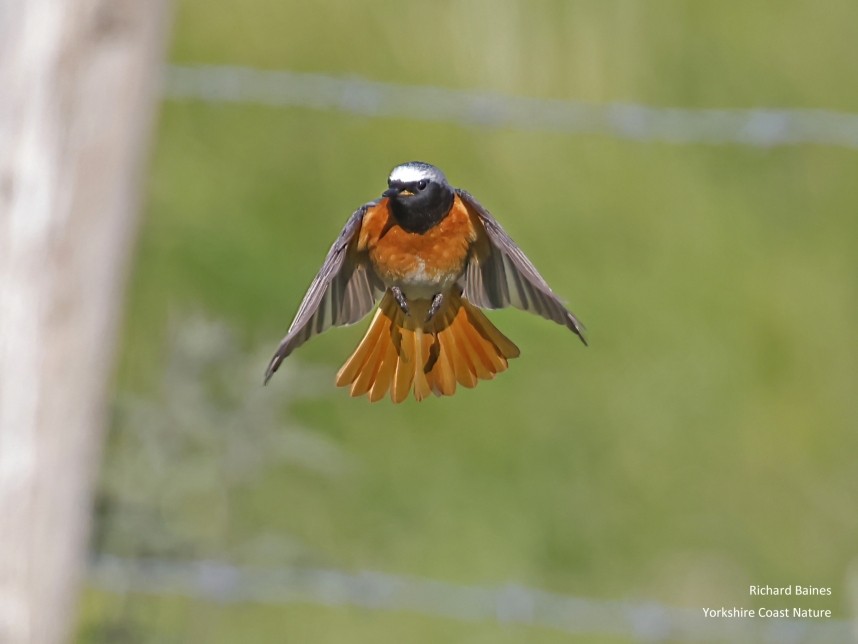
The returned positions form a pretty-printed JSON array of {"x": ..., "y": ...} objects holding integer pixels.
[
  {"x": 498, "y": 274},
  {"x": 344, "y": 291}
]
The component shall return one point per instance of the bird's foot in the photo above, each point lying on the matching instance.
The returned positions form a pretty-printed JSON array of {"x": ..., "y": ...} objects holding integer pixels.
[
  {"x": 435, "y": 306},
  {"x": 400, "y": 299}
]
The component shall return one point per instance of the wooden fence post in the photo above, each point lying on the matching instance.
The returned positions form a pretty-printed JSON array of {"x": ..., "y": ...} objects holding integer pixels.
[{"x": 77, "y": 81}]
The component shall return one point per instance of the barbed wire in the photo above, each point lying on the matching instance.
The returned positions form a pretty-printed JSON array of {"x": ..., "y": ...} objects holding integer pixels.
[
  {"x": 759, "y": 127},
  {"x": 509, "y": 604}
]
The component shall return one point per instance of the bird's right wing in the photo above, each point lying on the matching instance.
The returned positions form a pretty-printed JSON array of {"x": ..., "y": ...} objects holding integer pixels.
[{"x": 344, "y": 291}]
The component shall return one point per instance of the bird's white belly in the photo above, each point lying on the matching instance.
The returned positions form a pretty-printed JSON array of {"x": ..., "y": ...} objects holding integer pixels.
[{"x": 421, "y": 282}]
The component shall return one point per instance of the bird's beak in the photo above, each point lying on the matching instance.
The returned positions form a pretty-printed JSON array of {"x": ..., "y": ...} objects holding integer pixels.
[{"x": 395, "y": 192}]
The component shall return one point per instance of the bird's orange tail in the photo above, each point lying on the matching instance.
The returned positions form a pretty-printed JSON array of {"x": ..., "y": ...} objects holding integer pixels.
[{"x": 400, "y": 352}]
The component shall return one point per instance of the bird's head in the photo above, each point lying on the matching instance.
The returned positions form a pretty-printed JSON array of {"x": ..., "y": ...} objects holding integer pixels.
[{"x": 419, "y": 195}]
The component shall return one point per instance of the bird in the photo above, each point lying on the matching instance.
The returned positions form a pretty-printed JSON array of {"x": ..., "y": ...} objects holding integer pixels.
[{"x": 434, "y": 257}]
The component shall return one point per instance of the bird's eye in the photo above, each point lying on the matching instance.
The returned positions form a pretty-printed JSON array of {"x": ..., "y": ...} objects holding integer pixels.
[{"x": 421, "y": 185}]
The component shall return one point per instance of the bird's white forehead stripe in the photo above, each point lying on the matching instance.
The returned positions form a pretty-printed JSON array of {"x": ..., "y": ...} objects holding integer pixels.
[{"x": 409, "y": 173}]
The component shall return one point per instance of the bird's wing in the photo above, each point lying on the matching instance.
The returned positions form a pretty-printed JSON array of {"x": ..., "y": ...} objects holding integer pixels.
[
  {"x": 498, "y": 273},
  {"x": 344, "y": 291}
]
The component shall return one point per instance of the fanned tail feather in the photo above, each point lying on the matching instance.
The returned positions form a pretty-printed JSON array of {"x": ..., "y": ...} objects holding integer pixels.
[{"x": 400, "y": 353}]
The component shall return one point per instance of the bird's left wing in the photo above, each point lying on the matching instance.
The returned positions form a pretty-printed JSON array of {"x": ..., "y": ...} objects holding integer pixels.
[
  {"x": 344, "y": 291},
  {"x": 498, "y": 274}
]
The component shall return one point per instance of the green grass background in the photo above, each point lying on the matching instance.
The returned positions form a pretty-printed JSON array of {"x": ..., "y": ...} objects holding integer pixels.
[{"x": 705, "y": 441}]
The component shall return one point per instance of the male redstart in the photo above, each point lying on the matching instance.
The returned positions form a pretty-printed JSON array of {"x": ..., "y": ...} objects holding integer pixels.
[{"x": 435, "y": 257}]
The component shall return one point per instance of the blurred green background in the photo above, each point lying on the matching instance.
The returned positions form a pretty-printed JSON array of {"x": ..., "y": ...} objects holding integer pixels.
[{"x": 704, "y": 442}]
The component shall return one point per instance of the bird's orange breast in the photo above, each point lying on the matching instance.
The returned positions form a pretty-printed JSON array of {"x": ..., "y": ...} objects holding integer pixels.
[{"x": 430, "y": 261}]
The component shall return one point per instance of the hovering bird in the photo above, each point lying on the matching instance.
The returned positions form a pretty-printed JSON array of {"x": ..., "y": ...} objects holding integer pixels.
[{"x": 434, "y": 257}]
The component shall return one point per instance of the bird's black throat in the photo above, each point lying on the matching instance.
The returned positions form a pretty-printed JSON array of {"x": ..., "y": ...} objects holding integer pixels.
[{"x": 418, "y": 212}]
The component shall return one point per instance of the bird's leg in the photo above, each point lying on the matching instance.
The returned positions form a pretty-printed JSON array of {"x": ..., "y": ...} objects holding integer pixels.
[
  {"x": 400, "y": 299},
  {"x": 437, "y": 303}
]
